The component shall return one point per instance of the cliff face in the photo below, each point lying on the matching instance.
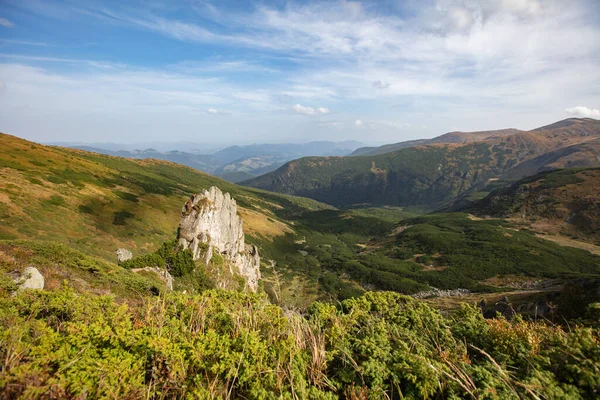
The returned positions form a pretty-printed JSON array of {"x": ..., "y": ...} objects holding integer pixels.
[{"x": 210, "y": 224}]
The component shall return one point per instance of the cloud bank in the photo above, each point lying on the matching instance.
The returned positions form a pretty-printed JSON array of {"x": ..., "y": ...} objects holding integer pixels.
[{"x": 432, "y": 65}]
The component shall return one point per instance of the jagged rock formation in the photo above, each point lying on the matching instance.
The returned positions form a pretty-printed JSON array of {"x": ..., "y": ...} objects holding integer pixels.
[
  {"x": 210, "y": 223},
  {"x": 123, "y": 255},
  {"x": 30, "y": 279}
]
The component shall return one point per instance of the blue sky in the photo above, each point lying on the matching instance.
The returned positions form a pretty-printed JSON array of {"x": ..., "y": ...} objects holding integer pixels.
[{"x": 234, "y": 72}]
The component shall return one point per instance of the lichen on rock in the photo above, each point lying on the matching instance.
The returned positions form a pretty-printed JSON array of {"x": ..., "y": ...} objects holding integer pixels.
[{"x": 210, "y": 224}]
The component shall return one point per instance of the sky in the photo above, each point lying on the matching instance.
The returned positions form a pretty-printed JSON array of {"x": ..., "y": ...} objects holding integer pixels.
[{"x": 240, "y": 72}]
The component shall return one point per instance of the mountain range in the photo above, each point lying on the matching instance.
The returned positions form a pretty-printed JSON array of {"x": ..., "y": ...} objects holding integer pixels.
[
  {"x": 234, "y": 163},
  {"x": 96, "y": 203},
  {"x": 434, "y": 173}
]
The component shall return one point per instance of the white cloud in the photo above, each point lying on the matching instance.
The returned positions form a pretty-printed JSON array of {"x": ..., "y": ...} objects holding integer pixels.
[
  {"x": 217, "y": 111},
  {"x": 521, "y": 6},
  {"x": 381, "y": 84},
  {"x": 584, "y": 112},
  {"x": 358, "y": 122},
  {"x": 300, "y": 109},
  {"x": 6, "y": 23},
  {"x": 303, "y": 110}
]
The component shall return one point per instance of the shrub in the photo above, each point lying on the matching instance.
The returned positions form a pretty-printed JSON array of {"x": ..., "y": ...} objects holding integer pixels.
[
  {"x": 120, "y": 217},
  {"x": 225, "y": 344}
]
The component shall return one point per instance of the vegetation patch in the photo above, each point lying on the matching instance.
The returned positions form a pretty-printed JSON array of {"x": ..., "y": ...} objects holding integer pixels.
[
  {"x": 126, "y": 196},
  {"x": 121, "y": 217},
  {"x": 55, "y": 200},
  {"x": 478, "y": 250},
  {"x": 222, "y": 344}
]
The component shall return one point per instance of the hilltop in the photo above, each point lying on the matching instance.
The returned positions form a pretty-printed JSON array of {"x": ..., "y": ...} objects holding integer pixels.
[
  {"x": 435, "y": 175},
  {"x": 450, "y": 137}
]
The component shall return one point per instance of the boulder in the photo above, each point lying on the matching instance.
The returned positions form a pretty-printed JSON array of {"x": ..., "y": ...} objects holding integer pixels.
[
  {"x": 31, "y": 278},
  {"x": 123, "y": 255},
  {"x": 210, "y": 223}
]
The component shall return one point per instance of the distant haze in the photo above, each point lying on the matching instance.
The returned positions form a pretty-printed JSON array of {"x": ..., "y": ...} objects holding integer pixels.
[{"x": 228, "y": 72}]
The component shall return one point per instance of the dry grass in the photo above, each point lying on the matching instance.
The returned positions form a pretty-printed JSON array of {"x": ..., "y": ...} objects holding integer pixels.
[
  {"x": 516, "y": 297},
  {"x": 565, "y": 241},
  {"x": 256, "y": 223}
]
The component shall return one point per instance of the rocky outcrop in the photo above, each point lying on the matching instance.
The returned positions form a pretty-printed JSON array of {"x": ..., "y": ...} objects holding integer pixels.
[
  {"x": 162, "y": 273},
  {"x": 123, "y": 255},
  {"x": 31, "y": 278},
  {"x": 210, "y": 224},
  {"x": 435, "y": 292}
]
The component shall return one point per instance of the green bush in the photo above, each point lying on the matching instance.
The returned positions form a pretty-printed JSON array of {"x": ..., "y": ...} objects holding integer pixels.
[
  {"x": 179, "y": 263},
  {"x": 225, "y": 344},
  {"x": 152, "y": 260}
]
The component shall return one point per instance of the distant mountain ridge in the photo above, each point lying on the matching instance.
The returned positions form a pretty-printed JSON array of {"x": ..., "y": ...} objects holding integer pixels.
[
  {"x": 235, "y": 163},
  {"x": 450, "y": 137},
  {"x": 436, "y": 174}
]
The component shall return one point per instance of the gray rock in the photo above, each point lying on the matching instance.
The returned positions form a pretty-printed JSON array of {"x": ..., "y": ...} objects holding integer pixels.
[
  {"x": 123, "y": 255},
  {"x": 209, "y": 222},
  {"x": 30, "y": 279},
  {"x": 435, "y": 292}
]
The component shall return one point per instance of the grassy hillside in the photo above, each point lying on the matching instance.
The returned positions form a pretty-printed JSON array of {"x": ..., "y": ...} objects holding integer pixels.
[
  {"x": 450, "y": 251},
  {"x": 96, "y": 203},
  {"x": 436, "y": 175},
  {"x": 61, "y": 265},
  {"x": 563, "y": 201}
]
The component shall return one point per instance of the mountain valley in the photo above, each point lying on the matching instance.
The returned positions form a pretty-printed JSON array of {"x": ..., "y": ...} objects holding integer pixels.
[
  {"x": 526, "y": 247},
  {"x": 299, "y": 199},
  {"x": 435, "y": 175}
]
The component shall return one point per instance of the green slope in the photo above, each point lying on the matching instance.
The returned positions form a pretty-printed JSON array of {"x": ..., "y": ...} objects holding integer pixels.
[
  {"x": 61, "y": 265},
  {"x": 426, "y": 176},
  {"x": 97, "y": 203},
  {"x": 562, "y": 201}
]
